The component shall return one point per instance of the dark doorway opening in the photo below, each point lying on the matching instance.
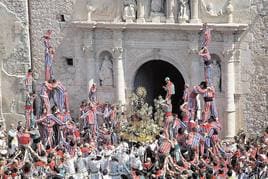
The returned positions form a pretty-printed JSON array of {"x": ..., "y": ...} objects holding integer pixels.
[{"x": 151, "y": 75}]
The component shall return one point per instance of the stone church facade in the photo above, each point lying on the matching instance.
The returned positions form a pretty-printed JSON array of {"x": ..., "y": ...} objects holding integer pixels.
[{"x": 125, "y": 44}]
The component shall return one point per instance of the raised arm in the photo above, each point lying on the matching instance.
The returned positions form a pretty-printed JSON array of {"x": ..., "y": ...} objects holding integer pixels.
[
  {"x": 35, "y": 154},
  {"x": 200, "y": 90}
]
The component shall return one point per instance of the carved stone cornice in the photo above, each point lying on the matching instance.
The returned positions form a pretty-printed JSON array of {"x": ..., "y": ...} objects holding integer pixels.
[
  {"x": 234, "y": 27},
  {"x": 192, "y": 51},
  {"x": 228, "y": 53}
]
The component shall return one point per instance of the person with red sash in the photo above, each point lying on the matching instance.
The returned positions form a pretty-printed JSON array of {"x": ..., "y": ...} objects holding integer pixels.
[
  {"x": 148, "y": 167},
  {"x": 204, "y": 53},
  {"x": 30, "y": 120},
  {"x": 29, "y": 81},
  {"x": 48, "y": 123},
  {"x": 113, "y": 116},
  {"x": 165, "y": 147},
  {"x": 24, "y": 138},
  {"x": 60, "y": 97},
  {"x": 192, "y": 103},
  {"x": 167, "y": 107},
  {"x": 186, "y": 91},
  {"x": 185, "y": 113},
  {"x": 49, "y": 55},
  {"x": 91, "y": 121},
  {"x": 92, "y": 95},
  {"x": 210, "y": 105},
  {"x": 169, "y": 88},
  {"x": 44, "y": 94}
]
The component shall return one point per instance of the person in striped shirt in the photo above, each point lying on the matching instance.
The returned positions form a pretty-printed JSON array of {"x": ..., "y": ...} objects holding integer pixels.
[
  {"x": 192, "y": 103},
  {"x": 204, "y": 53},
  {"x": 169, "y": 88},
  {"x": 210, "y": 105}
]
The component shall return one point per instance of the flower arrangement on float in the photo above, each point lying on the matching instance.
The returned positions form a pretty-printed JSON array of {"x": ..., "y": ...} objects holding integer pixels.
[{"x": 143, "y": 121}]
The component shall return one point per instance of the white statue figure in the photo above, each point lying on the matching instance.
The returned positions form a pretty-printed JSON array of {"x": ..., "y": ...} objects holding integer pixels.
[
  {"x": 106, "y": 72},
  {"x": 90, "y": 9},
  {"x": 157, "y": 6},
  {"x": 129, "y": 14},
  {"x": 183, "y": 10}
]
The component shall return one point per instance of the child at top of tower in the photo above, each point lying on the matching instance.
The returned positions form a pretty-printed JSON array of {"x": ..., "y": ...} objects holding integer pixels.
[{"x": 205, "y": 35}]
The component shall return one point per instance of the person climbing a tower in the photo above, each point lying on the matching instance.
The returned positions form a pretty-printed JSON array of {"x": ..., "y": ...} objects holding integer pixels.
[
  {"x": 192, "y": 102},
  {"x": 169, "y": 88},
  {"x": 204, "y": 53},
  {"x": 49, "y": 56}
]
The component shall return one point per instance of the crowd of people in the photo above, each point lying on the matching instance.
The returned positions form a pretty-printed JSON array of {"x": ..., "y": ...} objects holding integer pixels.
[{"x": 52, "y": 144}]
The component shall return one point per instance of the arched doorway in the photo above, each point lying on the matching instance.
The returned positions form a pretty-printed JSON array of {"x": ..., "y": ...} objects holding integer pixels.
[{"x": 151, "y": 75}]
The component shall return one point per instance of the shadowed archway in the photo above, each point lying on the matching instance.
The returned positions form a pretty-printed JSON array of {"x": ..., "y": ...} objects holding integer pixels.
[{"x": 151, "y": 75}]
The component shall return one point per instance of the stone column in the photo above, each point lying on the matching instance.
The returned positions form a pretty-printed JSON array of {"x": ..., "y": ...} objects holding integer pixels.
[
  {"x": 194, "y": 11},
  {"x": 89, "y": 53},
  {"x": 170, "y": 11},
  {"x": 229, "y": 87},
  {"x": 195, "y": 69},
  {"x": 3, "y": 55},
  {"x": 119, "y": 67},
  {"x": 140, "y": 11}
]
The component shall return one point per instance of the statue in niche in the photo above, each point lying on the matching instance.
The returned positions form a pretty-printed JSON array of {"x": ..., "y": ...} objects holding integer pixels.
[
  {"x": 157, "y": 6},
  {"x": 129, "y": 14},
  {"x": 183, "y": 10},
  {"x": 106, "y": 72},
  {"x": 90, "y": 9}
]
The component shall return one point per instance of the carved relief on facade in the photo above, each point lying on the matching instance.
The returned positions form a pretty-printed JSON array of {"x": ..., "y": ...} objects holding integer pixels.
[
  {"x": 103, "y": 35},
  {"x": 217, "y": 36},
  {"x": 157, "y": 11},
  {"x": 216, "y": 12},
  {"x": 104, "y": 10},
  {"x": 106, "y": 73},
  {"x": 157, "y": 7}
]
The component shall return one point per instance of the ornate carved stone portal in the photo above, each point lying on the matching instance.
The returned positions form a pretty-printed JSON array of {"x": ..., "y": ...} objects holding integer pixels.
[{"x": 124, "y": 35}]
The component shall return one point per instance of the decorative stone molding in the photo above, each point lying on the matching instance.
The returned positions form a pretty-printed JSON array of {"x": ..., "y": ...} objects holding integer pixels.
[
  {"x": 117, "y": 52},
  {"x": 193, "y": 51},
  {"x": 228, "y": 53},
  {"x": 223, "y": 15},
  {"x": 88, "y": 50}
]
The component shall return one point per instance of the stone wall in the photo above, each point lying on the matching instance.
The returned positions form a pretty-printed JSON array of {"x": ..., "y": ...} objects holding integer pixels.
[
  {"x": 14, "y": 58},
  {"x": 254, "y": 70}
]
